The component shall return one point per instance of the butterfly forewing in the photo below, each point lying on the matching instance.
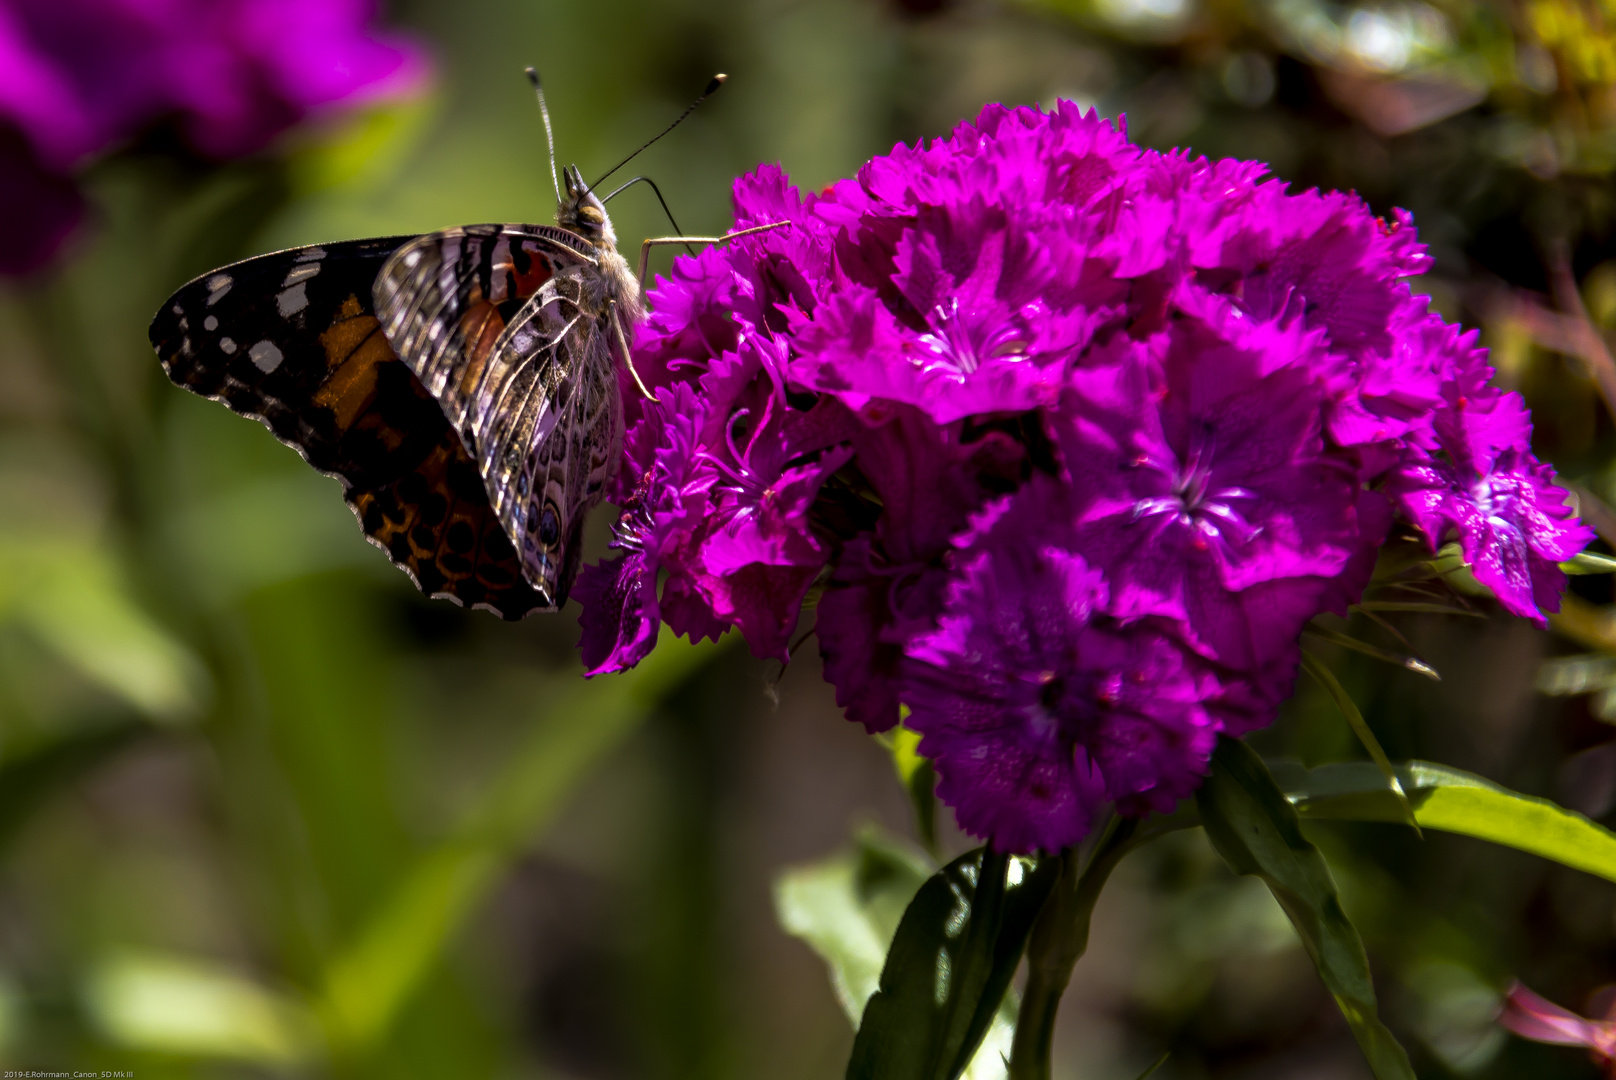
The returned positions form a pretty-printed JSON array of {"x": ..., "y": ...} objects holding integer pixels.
[
  {"x": 292, "y": 339},
  {"x": 500, "y": 325}
]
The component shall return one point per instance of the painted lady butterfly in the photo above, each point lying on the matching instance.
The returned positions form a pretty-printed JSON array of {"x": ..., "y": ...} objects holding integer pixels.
[{"x": 463, "y": 385}]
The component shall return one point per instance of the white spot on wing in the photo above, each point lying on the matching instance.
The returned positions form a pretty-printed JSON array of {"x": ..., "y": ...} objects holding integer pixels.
[
  {"x": 178, "y": 310},
  {"x": 227, "y": 345},
  {"x": 412, "y": 257},
  {"x": 309, "y": 254},
  {"x": 218, "y": 285},
  {"x": 210, "y": 323},
  {"x": 301, "y": 273},
  {"x": 291, "y": 301},
  {"x": 266, "y": 355}
]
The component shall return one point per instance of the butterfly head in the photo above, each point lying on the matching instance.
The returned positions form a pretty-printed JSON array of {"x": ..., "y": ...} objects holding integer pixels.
[{"x": 580, "y": 211}]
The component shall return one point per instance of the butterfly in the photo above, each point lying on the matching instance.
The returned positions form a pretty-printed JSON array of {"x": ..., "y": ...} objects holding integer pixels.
[{"x": 462, "y": 385}]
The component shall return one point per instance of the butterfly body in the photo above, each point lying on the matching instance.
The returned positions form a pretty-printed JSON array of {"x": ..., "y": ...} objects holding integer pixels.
[{"x": 463, "y": 386}]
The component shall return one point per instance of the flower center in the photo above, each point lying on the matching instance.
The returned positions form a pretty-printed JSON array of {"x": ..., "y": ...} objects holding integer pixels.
[
  {"x": 958, "y": 345},
  {"x": 1496, "y": 497},
  {"x": 1071, "y": 703},
  {"x": 1194, "y": 503}
]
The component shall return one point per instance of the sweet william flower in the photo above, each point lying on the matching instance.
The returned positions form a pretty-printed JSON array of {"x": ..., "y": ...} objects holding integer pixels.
[
  {"x": 1200, "y": 477},
  {"x": 1480, "y": 484},
  {"x": 622, "y": 612},
  {"x": 1060, "y": 443},
  {"x": 985, "y": 325},
  {"x": 926, "y": 480}
]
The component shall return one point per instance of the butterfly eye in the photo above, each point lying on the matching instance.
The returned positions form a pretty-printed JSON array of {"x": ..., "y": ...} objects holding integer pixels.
[
  {"x": 591, "y": 215},
  {"x": 549, "y": 527}
]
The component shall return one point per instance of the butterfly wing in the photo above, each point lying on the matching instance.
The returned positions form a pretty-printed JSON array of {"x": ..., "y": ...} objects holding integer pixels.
[
  {"x": 292, "y": 340},
  {"x": 502, "y": 326}
]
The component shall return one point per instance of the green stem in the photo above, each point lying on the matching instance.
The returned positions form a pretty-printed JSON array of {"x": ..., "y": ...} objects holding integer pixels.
[{"x": 1059, "y": 938}]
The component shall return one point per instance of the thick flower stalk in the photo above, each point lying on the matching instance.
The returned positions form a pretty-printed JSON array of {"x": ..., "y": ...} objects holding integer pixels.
[{"x": 1067, "y": 440}]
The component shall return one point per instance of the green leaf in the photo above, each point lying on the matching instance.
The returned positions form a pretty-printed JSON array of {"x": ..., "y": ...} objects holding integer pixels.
[
  {"x": 1589, "y": 562},
  {"x": 1360, "y": 728},
  {"x": 1257, "y": 831},
  {"x": 1459, "y": 802},
  {"x": 72, "y": 596},
  {"x": 952, "y": 959},
  {"x": 195, "y": 1008},
  {"x": 1347, "y": 641},
  {"x": 368, "y": 981},
  {"x": 847, "y": 909},
  {"x": 918, "y": 777}
]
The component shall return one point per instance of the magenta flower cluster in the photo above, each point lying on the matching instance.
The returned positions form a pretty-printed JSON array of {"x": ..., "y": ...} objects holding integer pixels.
[
  {"x": 78, "y": 77},
  {"x": 1063, "y": 441}
]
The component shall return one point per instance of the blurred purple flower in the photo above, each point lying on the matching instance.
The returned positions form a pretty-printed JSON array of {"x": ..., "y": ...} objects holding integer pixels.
[
  {"x": 1064, "y": 442},
  {"x": 79, "y": 77}
]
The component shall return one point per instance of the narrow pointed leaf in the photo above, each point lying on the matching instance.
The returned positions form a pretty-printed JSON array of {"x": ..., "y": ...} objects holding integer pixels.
[
  {"x": 1416, "y": 607},
  {"x": 1386, "y": 625},
  {"x": 951, "y": 961},
  {"x": 1459, "y": 802},
  {"x": 1159, "y": 1062},
  {"x": 1589, "y": 562},
  {"x": 1360, "y": 728},
  {"x": 1347, "y": 641},
  {"x": 1257, "y": 831}
]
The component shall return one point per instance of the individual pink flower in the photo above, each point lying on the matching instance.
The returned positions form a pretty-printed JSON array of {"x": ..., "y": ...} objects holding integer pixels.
[{"x": 1536, "y": 1018}]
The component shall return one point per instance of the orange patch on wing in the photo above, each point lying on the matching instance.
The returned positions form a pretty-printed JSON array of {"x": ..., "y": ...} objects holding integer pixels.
[
  {"x": 355, "y": 346},
  {"x": 480, "y": 328},
  {"x": 538, "y": 272},
  {"x": 346, "y": 333}
]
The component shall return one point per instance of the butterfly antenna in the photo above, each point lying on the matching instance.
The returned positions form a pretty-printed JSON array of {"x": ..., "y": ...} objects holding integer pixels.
[
  {"x": 712, "y": 88},
  {"x": 648, "y": 182},
  {"x": 549, "y": 135}
]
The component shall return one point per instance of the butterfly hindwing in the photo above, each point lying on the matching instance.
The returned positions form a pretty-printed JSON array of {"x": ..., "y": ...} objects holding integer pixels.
[
  {"x": 292, "y": 339},
  {"x": 499, "y": 324}
]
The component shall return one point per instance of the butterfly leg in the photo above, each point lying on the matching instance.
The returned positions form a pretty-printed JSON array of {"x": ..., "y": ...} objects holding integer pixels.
[
  {"x": 628, "y": 356},
  {"x": 645, "y": 247}
]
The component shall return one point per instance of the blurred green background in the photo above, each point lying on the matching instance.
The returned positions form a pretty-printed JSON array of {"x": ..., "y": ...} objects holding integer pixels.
[{"x": 264, "y": 811}]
